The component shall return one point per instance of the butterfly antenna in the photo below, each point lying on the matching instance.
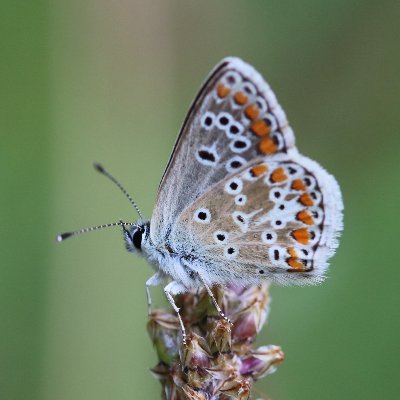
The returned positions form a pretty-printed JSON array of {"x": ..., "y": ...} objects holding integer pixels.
[
  {"x": 103, "y": 171},
  {"x": 66, "y": 235}
]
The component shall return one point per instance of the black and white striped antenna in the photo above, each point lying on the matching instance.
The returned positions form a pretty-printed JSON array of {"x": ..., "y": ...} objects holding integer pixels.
[
  {"x": 61, "y": 237},
  {"x": 103, "y": 171}
]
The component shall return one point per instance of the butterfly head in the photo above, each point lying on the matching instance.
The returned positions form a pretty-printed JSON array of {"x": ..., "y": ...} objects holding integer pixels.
[{"x": 136, "y": 235}]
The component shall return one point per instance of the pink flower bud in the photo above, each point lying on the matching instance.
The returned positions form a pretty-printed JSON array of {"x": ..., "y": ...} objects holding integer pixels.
[
  {"x": 219, "y": 336},
  {"x": 262, "y": 361},
  {"x": 195, "y": 353},
  {"x": 237, "y": 388},
  {"x": 163, "y": 329}
]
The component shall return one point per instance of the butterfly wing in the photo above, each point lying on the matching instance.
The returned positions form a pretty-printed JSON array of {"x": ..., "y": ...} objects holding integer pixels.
[
  {"x": 234, "y": 119},
  {"x": 277, "y": 218}
]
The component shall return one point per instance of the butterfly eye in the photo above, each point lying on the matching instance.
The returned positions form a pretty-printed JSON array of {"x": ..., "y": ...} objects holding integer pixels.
[{"x": 137, "y": 239}]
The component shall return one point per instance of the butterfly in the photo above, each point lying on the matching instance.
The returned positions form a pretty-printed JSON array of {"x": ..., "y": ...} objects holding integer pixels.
[{"x": 237, "y": 202}]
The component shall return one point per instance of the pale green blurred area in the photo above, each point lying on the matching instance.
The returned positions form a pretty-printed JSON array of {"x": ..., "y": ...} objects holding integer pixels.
[{"x": 110, "y": 81}]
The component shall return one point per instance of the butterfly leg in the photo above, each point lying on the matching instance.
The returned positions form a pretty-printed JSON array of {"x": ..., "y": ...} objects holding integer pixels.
[
  {"x": 171, "y": 289},
  {"x": 210, "y": 293},
  {"x": 154, "y": 280}
]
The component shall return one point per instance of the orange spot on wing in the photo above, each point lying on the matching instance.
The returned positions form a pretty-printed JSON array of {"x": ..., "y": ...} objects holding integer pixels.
[
  {"x": 294, "y": 263},
  {"x": 240, "y": 98},
  {"x": 306, "y": 200},
  {"x": 305, "y": 216},
  {"x": 258, "y": 170},
  {"x": 293, "y": 252},
  {"x": 278, "y": 175},
  {"x": 267, "y": 146},
  {"x": 298, "y": 184},
  {"x": 301, "y": 235},
  {"x": 222, "y": 90},
  {"x": 252, "y": 112},
  {"x": 260, "y": 128}
]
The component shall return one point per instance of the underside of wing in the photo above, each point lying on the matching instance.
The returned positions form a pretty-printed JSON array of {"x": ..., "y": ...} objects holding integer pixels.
[
  {"x": 278, "y": 218},
  {"x": 234, "y": 119}
]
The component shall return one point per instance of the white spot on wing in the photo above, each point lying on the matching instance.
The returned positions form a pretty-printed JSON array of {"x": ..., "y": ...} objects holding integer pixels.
[
  {"x": 234, "y": 163},
  {"x": 207, "y": 156},
  {"x": 234, "y": 186},
  {"x": 240, "y": 199},
  {"x": 240, "y": 144},
  {"x": 269, "y": 236},
  {"x": 223, "y": 121},
  {"x": 221, "y": 237},
  {"x": 231, "y": 252},
  {"x": 243, "y": 220},
  {"x": 202, "y": 216},
  {"x": 207, "y": 121}
]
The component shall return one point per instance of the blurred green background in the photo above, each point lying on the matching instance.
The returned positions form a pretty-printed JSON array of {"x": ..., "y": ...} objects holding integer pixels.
[{"x": 111, "y": 81}]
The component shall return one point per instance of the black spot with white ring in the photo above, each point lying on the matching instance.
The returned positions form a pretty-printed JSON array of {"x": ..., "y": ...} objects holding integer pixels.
[
  {"x": 234, "y": 130},
  {"x": 234, "y": 163},
  {"x": 223, "y": 120},
  {"x": 240, "y": 145},
  {"x": 231, "y": 252},
  {"x": 278, "y": 224},
  {"x": 221, "y": 237},
  {"x": 234, "y": 186},
  {"x": 271, "y": 122},
  {"x": 207, "y": 156},
  {"x": 276, "y": 195},
  {"x": 202, "y": 215},
  {"x": 240, "y": 199},
  {"x": 232, "y": 78},
  {"x": 249, "y": 89},
  {"x": 269, "y": 237},
  {"x": 275, "y": 254},
  {"x": 207, "y": 121}
]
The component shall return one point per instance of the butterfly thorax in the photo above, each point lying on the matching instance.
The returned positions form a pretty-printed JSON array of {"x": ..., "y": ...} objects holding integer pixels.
[{"x": 173, "y": 261}]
